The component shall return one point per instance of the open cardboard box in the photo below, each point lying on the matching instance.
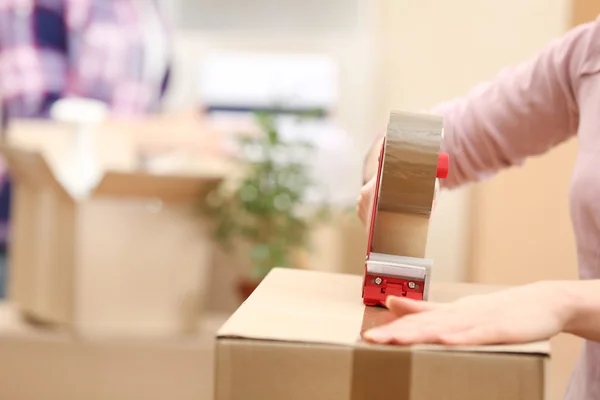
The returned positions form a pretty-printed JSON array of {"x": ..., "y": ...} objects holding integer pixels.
[
  {"x": 129, "y": 257},
  {"x": 297, "y": 337}
]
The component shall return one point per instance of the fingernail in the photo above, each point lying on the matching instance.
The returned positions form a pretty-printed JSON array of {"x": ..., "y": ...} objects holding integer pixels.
[
  {"x": 377, "y": 335},
  {"x": 389, "y": 300}
]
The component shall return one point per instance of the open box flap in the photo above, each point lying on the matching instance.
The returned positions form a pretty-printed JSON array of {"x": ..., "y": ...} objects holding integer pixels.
[
  {"x": 146, "y": 185},
  {"x": 326, "y": 308},
  {"x": 30, "y": 166}
]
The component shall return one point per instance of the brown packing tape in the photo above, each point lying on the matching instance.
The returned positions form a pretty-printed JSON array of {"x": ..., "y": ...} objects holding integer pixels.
[
  {"x": 401, "y": 234},
  {"x": 410, "y": 162},
  {"x": 374, "y": 317},
  {"x": 407, "y": 184},
  {"x": 376, "y": 371}
]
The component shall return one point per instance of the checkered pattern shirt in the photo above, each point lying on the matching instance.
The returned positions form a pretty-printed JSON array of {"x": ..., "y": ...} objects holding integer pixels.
[{"x": 50, "y": 49}]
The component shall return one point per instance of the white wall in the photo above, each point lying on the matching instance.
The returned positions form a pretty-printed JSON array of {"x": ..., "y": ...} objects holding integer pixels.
[
  {"x": 398, "y": 54},
  {"x": 438, "y": 49},
  {"x": 347, "y": 37}
]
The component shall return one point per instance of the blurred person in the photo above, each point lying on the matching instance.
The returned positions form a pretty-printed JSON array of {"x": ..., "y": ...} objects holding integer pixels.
[
  {"x": 525, "y": 111},
  {"x": 114, "y": 51}
]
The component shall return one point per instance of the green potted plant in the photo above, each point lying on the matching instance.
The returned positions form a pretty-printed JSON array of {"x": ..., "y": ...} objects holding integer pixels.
[{"x": 265, "y": 208}]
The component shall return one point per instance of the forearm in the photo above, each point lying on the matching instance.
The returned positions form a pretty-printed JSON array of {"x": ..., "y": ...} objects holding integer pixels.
[
  {"x": 522, "y": 112},
  {"x": 583, "y": 298}
]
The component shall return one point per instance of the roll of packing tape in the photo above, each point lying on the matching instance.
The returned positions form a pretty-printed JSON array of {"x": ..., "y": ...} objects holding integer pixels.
[{"x": 408, "y": 182}]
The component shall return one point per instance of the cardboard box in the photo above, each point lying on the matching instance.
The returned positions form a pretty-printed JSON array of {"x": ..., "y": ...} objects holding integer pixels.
[
  {"x": 298, "y": 337},
  {"x": 129, "y": 258},
  {"x": 38, "y": 364}
]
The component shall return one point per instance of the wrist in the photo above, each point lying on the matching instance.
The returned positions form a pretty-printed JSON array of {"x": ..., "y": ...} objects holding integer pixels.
[
  {"x": 573, "y": 305},
  {"x": 562, "y": 301}
]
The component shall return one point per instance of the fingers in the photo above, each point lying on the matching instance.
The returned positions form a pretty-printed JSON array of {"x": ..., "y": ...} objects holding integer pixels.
[
  {"x": 480, "y": 335},
  {"x": 364, "y": 203},
  {"x": 464, "y": 338},
  {"x": 497, "y": 318},
  {"x": 379, "y": 335},
  {"x": 419, "y": 322},
  {"x": 439, "y": 328},
  {"x": 405, "y": 332},
  {"x": 488, "y": 333},
  {"x": 401, "y": 306},
  {"x": 360, "y": 210}
]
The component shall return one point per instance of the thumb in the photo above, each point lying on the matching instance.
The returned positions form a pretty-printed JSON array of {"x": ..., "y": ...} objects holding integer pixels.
[
  {"x": 401, "y": 306},
  {"x": 368, "y": 198}
]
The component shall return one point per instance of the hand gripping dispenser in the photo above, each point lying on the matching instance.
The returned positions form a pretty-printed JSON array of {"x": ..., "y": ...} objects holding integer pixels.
[{"x": 410, "y": 164}]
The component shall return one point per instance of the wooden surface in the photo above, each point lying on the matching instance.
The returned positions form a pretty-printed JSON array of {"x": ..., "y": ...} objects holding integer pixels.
[{"x": 407, "y": 184}]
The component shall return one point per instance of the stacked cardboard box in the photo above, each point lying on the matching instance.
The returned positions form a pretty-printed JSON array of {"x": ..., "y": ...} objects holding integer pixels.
[
  {"x": 106, "y": 293},
  {"x": 129, "y": 256}
]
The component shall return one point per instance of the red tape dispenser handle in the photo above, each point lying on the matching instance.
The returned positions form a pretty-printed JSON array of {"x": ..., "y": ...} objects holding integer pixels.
[
  {"x": 443, "y": 166},
  {"x": 375, "y": 199}
]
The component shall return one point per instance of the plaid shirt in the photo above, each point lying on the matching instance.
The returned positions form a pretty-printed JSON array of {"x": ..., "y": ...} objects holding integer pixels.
[{"x": 50, "y": 49}]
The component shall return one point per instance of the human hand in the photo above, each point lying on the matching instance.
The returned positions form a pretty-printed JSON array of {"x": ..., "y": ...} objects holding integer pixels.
[
  {"x": 527, "y": 313},
  {"x": 364, "y": 203}
]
